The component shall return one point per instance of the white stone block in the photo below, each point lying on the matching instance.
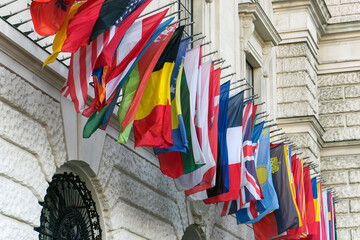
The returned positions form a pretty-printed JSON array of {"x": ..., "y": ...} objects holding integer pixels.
[
  {"x": 342, "y": 207},
  {"x": 342, "y": 234},
  {"x": 332, "y": 93},
  {"x": 334, "y": 120},
  {"x": 140, "y": 222},
  {"x": 296, "y": 79},
  {"x": 124, "y": 234},
  {"x": 341, "y": 134},
  {"x": 348, "y": 220},
  {"x": 295, "y": 109},
  {"x": 354, "y": 176},
  {"x": 339, "y": 106},
  {"x": 295, "y": 94},
  {"x": 293, "y": 50},
  {"x": 340, "y": 162},
  {"x": 352, "y": 91},
  {"x": 11, "y": 229},
  {"x": 338, "y": 79},
  {"x": 38, "y": 106},
  {"x": 19, "y": 202},
  {"x": 354, "y": 206},
  {"x": 353, "y": 119},
  {"x": 336, "y": 177},
  {"x": 22, "y": 167},
  {"x": 348, "y": 191},
  {"x": 355, "y": 234}
]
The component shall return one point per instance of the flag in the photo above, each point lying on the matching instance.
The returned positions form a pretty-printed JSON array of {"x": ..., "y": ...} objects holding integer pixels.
[
  {"x": 106, "y": 55},
  {"x": 199, "y": 176},
  {"x": 233, "y": 134},
  {"x": 222, "y": 165},
  {"x": 152, "y": 125},
  {"x": 110, "y": 11},
  {"x": 113, "y": 98},
  {"x": 314, "y": 228},
  {"x": 145, "y": 67},
  {"x": 199, "y": 192},
  {"x": 323, "y": 224},
  {"x": 175, "y": 164},
  {"x": 235, "y": 205},
  {"x": 49, "y": 16},
  {"x": 309, "y": 202},
  {"x": 255, "y": 211},
  {"x": 180, "y": 142},
  {"x": 287, "y": 216},
  {"x": 326, "y": 214}
]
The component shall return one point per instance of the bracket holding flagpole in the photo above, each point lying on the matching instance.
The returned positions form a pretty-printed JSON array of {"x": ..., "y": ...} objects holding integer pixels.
[
  {"x": 210, "y": 53},
  {"x": 162, "y": 7},
  {"x": 219, "y": 62},
  {"x": 229, "y": 75},
  {"x": 198, "y": 39},
  {"x": 226, "y": 67}
]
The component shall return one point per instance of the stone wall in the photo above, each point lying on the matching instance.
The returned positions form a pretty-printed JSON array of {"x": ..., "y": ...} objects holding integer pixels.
[{"x": 343, "y": 10}]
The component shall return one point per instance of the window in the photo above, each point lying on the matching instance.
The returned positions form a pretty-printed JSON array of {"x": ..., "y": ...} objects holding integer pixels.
[{"x": 250, "y": 76}]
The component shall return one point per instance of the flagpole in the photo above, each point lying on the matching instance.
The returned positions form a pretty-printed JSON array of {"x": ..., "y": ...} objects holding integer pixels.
[{"x": 162, "y": 7}]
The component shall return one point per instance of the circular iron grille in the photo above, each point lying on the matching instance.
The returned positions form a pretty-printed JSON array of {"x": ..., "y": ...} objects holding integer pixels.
[{"x": 69, "y": 212}]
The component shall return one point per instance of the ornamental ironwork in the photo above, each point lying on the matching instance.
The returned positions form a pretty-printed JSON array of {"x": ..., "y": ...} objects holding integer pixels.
[{"x": 69, "y": 212}]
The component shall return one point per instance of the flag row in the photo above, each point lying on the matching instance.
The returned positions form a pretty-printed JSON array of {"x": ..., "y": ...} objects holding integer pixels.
[{"x": 205, "y": 139}]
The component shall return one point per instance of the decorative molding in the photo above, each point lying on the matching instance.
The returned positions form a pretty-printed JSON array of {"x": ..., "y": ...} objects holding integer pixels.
[
  {"x": 199, "y": 209},
  {"x": 267, "y": 52},
  {"x": 262, "y": 24},
  {"x": 247, "y": 29}
]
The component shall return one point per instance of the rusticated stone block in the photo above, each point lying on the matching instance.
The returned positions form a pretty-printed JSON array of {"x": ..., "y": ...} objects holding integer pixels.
[
  {"x": 345, "y": 9},
  {"x": 332, "y": 2},
  {"x": 22, "y": 167},
  {"x": 38, "y": 106},
  {"x": 295, "y": 64},
  {"x": 140, "y": 222},
  {"x": 348, "y": 191},
  {"x": 336, "y": 177},
  {"x": 353, "y": 119},
  {"x": 19, "y": 202},
  {"x": 355, "y": 176},
  {"x": 295, "y": 109},
  {"x": 339, "y": 106},
  {"x": 305, "y": 141},
  {"x": 337, "y": 79},
  {"x": 294, "y": 94},
  {"x": 354, "y": 205},
  {"x": 124, "y": 234},
  {"x": 355, "y": 234},
  {"x": 334, "y": 135},
  {"x": 332, "y": 93},
  {"x": 337, "y": 120},
  {"x": 29, "y": 135},
  {"x": 296, "y": 79},
  {"x": 342, "y": 234},
  {"x": 124, "y": 187},
  {"x": 348, "y": 220},
  {"x": 12, "y": 229},
  {"x": 340, "y": 162},
  {"x": 229, "y": 224},
  {"x": 352, "y": 91},
  {"x": 342, "y": 207},
  {"x": 293, "y": 50}
]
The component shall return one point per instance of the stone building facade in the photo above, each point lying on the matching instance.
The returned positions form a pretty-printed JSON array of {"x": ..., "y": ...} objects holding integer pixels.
[{"x": 305, "y": 65}]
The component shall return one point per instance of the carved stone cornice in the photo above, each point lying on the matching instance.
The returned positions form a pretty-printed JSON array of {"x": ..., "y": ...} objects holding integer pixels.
[{"x": 261, "y": 22}]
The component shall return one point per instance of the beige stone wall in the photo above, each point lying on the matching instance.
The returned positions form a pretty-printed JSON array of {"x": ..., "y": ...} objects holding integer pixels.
[{"x": 343, "y": 10}]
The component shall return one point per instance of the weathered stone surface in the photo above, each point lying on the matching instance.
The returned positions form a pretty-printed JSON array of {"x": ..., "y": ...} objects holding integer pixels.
[
  {"x": 19, "y": 202},
  {"x": 341, "y": 134},
  {"x": 295, "y": 109},
  {"x": 336, "y": 177},
  {"x": 340, "y": 162},
  {"x": 354, "y": 205},
  {"x": 13, "y": 229},
  {"x": 22, "y": 167},
  {"x": 219, "y": 233},
  {"x": 336, "y": 120},
  {"x": 125, "y": 159},
  {"x": 339, "y": 106},
  {"x": 305, "y": 141},
  {"x": 345, "y": 9},
  {"x": 229, "y": 224},
  {"x": 293, "y": 50},
  {"x": 125, "y": 187},
  {"x": 294, "y": 94},
  {"x": 348, "y": 220},
  {"x": 332, "y": 2},
  {"x": 295, "y": 64},
  {"x": 354, "y": 176},
  {"x": 353, "y": 119},
  {"x": 343, "y": 234},
  {"x": 355, "y": 234},
  {"x": 38, "y": 106},
  {"x": 140, "y": 222},
  {"x": 338, "y": 79},
  {"x": 348, "y": 191},
  {"x": 29, "y": 135},
  {"x": 332, "y": 93},
  {"x": 296, "y": 79},
  {"x": 342, "y": 207},
  {"x": 352, "y": 91},
  {"x": 124, "y": 234}
]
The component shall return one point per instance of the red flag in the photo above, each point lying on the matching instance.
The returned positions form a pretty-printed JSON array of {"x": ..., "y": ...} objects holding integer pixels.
[{"x": 49, "y": 15}]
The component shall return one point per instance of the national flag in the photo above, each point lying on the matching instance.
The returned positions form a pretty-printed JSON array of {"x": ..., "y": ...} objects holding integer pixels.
[
  {"x": 180, "y": 142},
  {"x": 49, "y": 16},
  {"x": 314, "y": 228},
  {"x": 254, "y": 211},
  {"x": 199, "y": 176},
  {"x": 309, "y": 202},
  {"x": 110, "y": 11},
  {"x": 83, "y": 61},
  {"x": 234, "y": 147},
  {"x": 113, "y": 98},
  {"x": 323, "y": 224},
  {"x": 199, "y": 192},
  {"x": 326, "y": 214},
  {"x": 234, "y": 206},
  {"x": 145, "y": 67},
  {"x": 152, "y": 125},
  {"x": 287, "y": 216}
]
